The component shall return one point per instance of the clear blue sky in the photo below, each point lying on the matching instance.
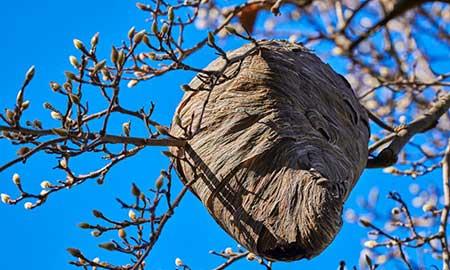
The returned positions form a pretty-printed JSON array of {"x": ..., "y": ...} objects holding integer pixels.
[{"x": 41, "y": 33}]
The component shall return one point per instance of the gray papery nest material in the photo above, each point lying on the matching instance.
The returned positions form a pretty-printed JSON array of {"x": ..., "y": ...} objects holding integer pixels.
[{"x": 280, "y": 145}]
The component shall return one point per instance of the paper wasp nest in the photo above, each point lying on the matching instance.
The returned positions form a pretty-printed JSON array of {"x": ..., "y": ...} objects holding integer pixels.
[{"x": 280, "y": 145}]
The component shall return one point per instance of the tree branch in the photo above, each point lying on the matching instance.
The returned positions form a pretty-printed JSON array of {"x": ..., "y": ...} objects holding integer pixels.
[
  {"x": 446, "y": 209},
  {"x": 388, "y": 156},
  {"x": 232, "y": 259},
  {"x": 113, "y": 139}
]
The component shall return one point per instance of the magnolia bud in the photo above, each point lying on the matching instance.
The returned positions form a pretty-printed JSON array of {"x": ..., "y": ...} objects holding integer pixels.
[
  {"x": 132, "y": 215},
  {"x": 139, "y": 36},
  {"x": 16, "y": 179},
  {"x": 63, "y": 163},
  {"x": 70, "y": 75},
  {"x": 135, "y": 190},
  {"x": 84, "y": 225},
  {"x": 96, "y": 233},
  {"x": 251, "y": 256},
  {"x": 55, "y": 86},
  {"x": 178, "y": 262},
  {"x": 143, "y": 7},
  {"x": 131, "y": 32},
  {"x": 121, "y": 58},
  {"x": 106, "y": 74},
  {"x": 30, "y": 74},
  {"x": 28, "y": 205},
  {"x": 74, "y": 252},
  {"x": 25, "y": 105},
  {"x": 142, "y": 56},
  {"x": 114, "y": 55},
  {"x": 170, "y": 14},
  {"x": 132, "y": 83},
  {"x": 68, "y": 86},
  {"x": 389, "y": 169},
  {"x": 37, "y": 124},
  {"x": 78, "y": 44},
  {"x": 428, "y": 207},
  {"x": 94, "y": 39},
  {"x": 159, "y": 182},
  {"x": 97, "y": 213},
  {"x": 23, "y": 151},
  {"x": 164, "y": 28},
  {"x": 5, "y": 198},
  {"x": 155, "y": 27},
  {"x": 69, "y": 180},
  {"x": 10, "y": 114},
  {"x": 126, "y": 128},
  {"x": 228, "y": 251},
  {"x": 73, "y": 61},
  {"x": 370, "y": 244},
  {"x": 122, "y": 234},
  {"x": 146, "y": 40},
  {"x": 99, "y": 66},
  {"x": 19, "y": 97},
  {"x": 46, "y": 184},
  {"x": 108, "y": 246},
  {"x": 395, "y": 211},
  {"x": 56, "y": 115}
]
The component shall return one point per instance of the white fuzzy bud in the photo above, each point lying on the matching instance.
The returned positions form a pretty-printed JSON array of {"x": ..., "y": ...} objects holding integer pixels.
[
  {"x": 132, "y": 214},
  {"x": 16, "y": 179},
  {"x": 5, "y": 198},
  {"x": 46, "y": 184},
  {"x": 132, "y": 83},
  {"x": 30, "y": 73},
  {"x": 63, "y": 163},
  {"x": 126, "y": 128},
  {"x": 178, "y": 262},
  {"x": 73, "y": 61},
  {"x": 428, "y": 207},
  {"x": 78, "y": 44},
  {"x": 251, "y": 256},
  {"x": 56, "y": 115},
  {"x": 28, "y": 205},
  {"x": 370, "y": 244}
]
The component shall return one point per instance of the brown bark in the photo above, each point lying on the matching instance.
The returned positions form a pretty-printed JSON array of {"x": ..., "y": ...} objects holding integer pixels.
[{"x": 279, "y": 148}]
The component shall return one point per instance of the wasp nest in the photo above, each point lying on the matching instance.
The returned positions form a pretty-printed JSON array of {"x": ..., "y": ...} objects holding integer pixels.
[{"x": 276, "y": 150}]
